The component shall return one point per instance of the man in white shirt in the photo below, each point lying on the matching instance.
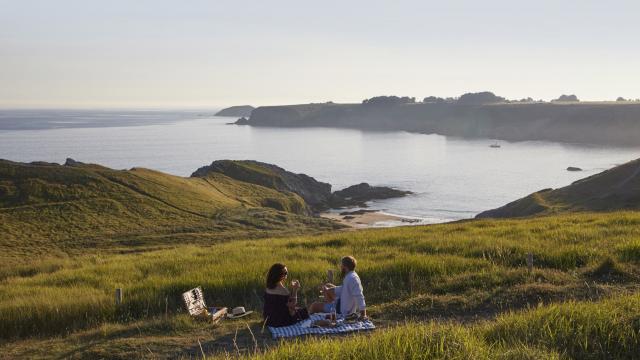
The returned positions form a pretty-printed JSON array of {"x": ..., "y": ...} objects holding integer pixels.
[{"x": 348, "y": 296}]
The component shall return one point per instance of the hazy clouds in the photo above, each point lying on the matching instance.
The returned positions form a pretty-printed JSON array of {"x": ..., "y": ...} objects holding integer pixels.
[{"x": 212, "y": 53}]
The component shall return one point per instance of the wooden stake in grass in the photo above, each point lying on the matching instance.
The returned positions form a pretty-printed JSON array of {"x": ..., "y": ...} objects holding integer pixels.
[
  {"x": 118, "y": 296},
  {"x": 330, "y": 276},
  {"x": 530, "y": 262}
]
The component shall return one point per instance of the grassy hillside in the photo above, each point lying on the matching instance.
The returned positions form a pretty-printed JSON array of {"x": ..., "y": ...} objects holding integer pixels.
[
  {"x": 614, "y": 189},
  {"x": 54, "y": 210},
  {"x": 448, "y": 281}
]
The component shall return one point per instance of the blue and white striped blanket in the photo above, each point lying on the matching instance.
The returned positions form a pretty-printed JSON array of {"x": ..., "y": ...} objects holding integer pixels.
[{"x": 304, "y": 328}]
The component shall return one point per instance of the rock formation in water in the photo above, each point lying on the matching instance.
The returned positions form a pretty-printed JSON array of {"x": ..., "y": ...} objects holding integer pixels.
[
  {"x": 242, "y": 121},
  {"x": 358, "y": 195}
]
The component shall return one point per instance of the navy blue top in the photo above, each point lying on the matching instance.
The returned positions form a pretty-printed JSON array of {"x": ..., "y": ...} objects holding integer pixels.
[{"x": 276, "y": 311}]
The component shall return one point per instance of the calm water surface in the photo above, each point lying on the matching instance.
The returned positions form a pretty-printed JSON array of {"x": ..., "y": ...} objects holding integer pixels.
[{"x": 452, "y": 178}]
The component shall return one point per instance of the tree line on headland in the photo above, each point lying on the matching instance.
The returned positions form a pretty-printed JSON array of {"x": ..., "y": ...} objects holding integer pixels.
[{"x": 478, "y": 98}]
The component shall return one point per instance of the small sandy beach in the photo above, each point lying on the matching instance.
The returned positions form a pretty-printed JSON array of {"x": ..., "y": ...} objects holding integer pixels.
[{"x": 368, "y": 219}]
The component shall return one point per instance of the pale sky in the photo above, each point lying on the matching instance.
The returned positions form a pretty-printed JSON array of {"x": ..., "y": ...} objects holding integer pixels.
[{"x": 166, "y": 54}]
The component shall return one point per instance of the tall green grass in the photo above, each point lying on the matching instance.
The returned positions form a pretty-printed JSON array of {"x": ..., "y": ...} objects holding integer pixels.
[{"x": 474, "y": 266}]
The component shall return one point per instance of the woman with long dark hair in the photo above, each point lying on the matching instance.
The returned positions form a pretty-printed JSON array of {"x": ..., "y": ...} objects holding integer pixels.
[{"x": 280, "y": 304}]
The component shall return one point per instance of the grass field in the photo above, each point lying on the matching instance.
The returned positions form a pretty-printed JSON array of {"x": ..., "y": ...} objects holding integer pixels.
[{"x": 442, "y": 291}]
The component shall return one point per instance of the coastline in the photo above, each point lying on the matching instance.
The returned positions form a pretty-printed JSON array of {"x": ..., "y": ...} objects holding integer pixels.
[{"x": 564, "y": 122}]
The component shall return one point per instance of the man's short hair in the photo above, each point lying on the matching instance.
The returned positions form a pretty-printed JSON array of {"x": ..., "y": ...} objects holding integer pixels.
[{"x": 349, "y": 262}]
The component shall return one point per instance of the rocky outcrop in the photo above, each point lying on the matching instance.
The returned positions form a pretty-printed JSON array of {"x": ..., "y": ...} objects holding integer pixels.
[
  {"x": 358, "y": 195},
  {"x": 316, "y": 194},
  {"x": 236, "y": 111},
  {"x": 71, "y": 162},
  {"x": 573, "y": 168},
  {"x": 242, "y": 121}
]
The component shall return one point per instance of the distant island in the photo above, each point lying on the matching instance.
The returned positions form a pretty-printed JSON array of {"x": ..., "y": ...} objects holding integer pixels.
[
  {"x": 473, "y": 115},
  {"x": 236, "y": 111}
]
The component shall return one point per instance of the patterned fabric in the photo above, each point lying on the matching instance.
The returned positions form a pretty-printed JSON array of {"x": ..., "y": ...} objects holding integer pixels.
[{"x": 303, "y": 328}]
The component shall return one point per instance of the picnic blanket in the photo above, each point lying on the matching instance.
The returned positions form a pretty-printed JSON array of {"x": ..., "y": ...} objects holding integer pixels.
[{"x": 304, "y": 328}]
